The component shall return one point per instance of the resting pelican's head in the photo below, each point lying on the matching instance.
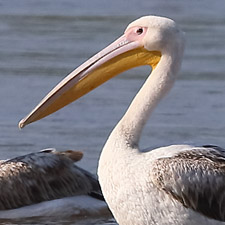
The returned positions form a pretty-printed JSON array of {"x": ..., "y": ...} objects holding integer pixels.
[{"x": 143, "y": 43}]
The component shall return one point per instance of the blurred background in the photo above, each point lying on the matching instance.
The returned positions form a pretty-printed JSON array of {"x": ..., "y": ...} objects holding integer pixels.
[{"x": 42, "y": 41}]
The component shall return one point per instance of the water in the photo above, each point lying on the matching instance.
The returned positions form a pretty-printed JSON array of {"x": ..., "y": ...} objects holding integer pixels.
[{"x": 42, "y": 41}]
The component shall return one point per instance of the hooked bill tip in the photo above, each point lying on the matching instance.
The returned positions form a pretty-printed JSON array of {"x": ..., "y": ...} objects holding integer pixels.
[{"x": 21, "y": 124}]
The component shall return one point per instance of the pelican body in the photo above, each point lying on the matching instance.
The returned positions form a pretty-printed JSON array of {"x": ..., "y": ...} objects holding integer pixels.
[
  {"x": 44, "y": 183},
  {"x": 179, "y": 184}
]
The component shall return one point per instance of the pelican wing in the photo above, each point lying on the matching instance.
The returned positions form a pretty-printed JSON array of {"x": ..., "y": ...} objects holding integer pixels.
[
  {"x": 196, "y": 178},
  {"x": 42, "y": 176}
]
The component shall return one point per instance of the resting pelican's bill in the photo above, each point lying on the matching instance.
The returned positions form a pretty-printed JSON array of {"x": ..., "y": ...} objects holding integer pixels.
[
  {"x": 179, "y": 184},
  {"x": 42, "y": 183}
]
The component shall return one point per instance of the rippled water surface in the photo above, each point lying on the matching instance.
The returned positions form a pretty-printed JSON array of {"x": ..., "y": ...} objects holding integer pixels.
[{"x": 42, "y": 41}]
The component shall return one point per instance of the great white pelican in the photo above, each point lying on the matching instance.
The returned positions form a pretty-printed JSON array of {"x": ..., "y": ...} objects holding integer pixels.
[{"x": 179, "y": 184}]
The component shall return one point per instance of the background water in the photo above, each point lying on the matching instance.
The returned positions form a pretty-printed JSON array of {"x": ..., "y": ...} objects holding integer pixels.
[{"x": 42, "y": 41}]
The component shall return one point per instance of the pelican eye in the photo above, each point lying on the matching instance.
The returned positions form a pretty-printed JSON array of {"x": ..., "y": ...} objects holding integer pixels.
[{"x": 139, "y": 31}]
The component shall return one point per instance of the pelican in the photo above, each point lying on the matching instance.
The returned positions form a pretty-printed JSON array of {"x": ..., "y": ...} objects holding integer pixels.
[
  {"x": 178, "y": 184},
  {"x": 44, "y": 183}
]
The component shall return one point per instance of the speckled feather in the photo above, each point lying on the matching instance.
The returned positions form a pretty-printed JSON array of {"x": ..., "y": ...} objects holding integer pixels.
[
  {"x": 196, "y": 178},
  {"x": 42, "y": 176}
]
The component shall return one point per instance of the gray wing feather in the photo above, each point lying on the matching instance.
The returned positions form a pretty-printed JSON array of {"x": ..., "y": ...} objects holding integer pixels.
[
  {"x": 196, "y": 178},
  {"x": 42, "y": 176}
]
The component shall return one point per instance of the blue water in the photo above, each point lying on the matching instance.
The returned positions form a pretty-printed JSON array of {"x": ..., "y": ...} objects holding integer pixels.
[{"x": 42, "y": 41}]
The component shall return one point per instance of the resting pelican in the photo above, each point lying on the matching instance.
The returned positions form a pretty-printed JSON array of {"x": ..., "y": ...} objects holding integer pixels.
[
  {"x": 28, "y": 183},
  {"x": 179, "y": 184}
]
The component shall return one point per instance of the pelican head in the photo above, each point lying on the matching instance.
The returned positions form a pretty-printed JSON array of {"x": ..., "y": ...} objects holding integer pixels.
[
  {"x": 143, "y": 43},
  {"x": 161, "y": 33}
]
